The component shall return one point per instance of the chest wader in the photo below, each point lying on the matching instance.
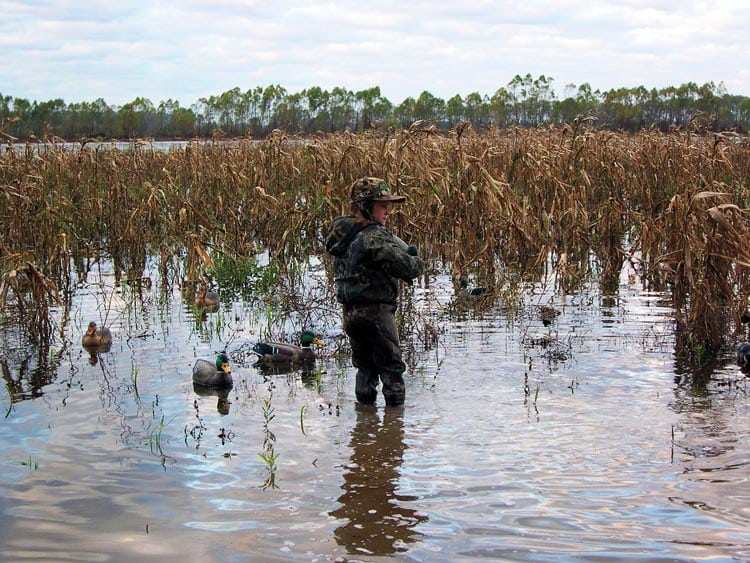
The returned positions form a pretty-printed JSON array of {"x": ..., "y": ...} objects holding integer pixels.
[{"x": 376, "y": 352}]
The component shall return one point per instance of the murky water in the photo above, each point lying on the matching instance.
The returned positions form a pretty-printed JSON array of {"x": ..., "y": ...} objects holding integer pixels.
[{"x": 518, "y": 441}]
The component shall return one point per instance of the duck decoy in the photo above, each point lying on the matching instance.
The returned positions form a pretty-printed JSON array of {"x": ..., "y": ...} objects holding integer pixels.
[
  {"x": 97, "y": 337},
  {"x": 284, "y": 352},
  {"x": 743, "y": 355},
  {"x": 208, "y": 300},
  {"x": 215, "y": 374},
  {"x": 548, "y": 314},
  {"x": 465, "y": 290}
]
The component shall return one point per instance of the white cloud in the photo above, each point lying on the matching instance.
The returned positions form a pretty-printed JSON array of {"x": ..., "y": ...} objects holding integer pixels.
[{"x": 188, "y": 49}]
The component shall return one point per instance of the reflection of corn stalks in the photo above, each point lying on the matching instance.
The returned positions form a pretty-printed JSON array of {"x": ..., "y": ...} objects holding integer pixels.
[{"x": 32, "y": 293}]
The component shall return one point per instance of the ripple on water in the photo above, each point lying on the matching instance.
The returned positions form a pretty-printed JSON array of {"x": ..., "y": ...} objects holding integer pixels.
[{"x": 517, "y": 442}]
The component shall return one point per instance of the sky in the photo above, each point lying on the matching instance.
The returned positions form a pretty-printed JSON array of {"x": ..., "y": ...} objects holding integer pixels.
[{"x": 83, "y": 50}]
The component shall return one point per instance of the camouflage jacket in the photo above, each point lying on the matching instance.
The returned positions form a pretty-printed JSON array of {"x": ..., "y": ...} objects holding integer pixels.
[{"x": 368, "y": 261}]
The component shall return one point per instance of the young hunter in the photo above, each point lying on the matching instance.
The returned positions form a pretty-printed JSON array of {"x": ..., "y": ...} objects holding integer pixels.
[{"x": 368, "y": 262}]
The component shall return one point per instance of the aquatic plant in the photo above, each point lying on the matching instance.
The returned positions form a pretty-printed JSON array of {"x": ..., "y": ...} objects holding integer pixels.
[
  {"x": 9, "y": 391},
  {"x": 31, "y": 463},
  {"x": 154, "y": 437},
  {"x": 269, "y": 455},
  {"x": 134, "y": 380}
]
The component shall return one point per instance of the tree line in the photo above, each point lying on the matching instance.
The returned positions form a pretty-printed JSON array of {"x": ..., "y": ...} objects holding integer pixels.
[{"x": 524, "y": 102}]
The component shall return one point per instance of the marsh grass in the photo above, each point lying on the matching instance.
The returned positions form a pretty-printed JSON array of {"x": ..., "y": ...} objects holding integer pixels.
[
  {"x": 569, "y": 204},
  {"x": 31, "y": 463},
  {"x": 269, "y": 454}
]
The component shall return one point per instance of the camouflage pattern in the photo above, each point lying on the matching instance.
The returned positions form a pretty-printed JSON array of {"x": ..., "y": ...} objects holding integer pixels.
[
  {"x": 372, "y": 189},
  {"x": 376, "y": 352},
  {"x": 368, "y": 261}
]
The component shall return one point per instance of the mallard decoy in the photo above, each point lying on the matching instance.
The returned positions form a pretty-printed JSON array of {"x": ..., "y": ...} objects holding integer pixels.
[
  {"x": 215, "y": 374},
  {"x": 206, "y": 299},
  {"x": 96, "y": 337},
  {"x": 467, "y": 291},
  {"x": 284, "y": 352},
  {"x": 548, "y": 314},
  {"x": 743, "y": 355}
]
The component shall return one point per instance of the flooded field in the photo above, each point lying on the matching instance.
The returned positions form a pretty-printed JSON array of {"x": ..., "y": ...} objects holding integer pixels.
[{"x": 579, "y": 439}]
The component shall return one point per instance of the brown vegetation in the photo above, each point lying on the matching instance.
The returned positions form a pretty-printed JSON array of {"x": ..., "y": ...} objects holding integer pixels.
[{"x": 503, "y": 205}]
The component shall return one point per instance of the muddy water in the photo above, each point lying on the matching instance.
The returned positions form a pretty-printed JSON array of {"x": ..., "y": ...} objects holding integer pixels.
[{"x": 581, "y": 440}]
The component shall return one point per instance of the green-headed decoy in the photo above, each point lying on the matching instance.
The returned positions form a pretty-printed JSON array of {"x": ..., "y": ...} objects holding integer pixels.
[
  {"x": 216, "y": 374},
  {"x": 284, "y": 352}
]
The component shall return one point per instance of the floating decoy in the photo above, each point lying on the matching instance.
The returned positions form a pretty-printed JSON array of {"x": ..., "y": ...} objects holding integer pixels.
[
  {"x": 743, "y": 355},
  {"x": 207, "y": 299},
  {"x": 284, "y": 352},
  {"x": 548, "y": 314},
  {"x": 96, "y": 337},
  {"x": 466, "y": 290},
  {"x": 215, "y": 374}
]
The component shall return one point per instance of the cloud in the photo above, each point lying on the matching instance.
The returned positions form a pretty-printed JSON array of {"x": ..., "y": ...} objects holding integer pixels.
[{"x": 84, "y": 50}]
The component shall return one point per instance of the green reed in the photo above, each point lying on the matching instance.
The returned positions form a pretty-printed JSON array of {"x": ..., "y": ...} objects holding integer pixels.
[
  {"x": 269, "y": 455},
  {"x": 31, "y": 463}
]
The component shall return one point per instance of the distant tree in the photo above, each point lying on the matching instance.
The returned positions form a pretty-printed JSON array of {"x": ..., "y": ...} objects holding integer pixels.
[
  {"x": 579, "y": 102},
  {"x": 252, "y": 100},
  {"x": 371, "y": 108},
  {"x": 477, "y": 110},
  {"x": 621, "y": 110},
  {"x": 454, "y": 111},
  {"x": 174, "y": 121},
  {"x": 429, "y": 108},
  {"x": 404, "y": 113},
  {"x": 5, "y": 104},
  {"x": 743, "y": 113},
  {"x": 533, "y": 99},
  {"x": 343, "y": 114},
  {"x": 22, "y": 111},
  {"x": 272, "y": 97},
  {"x": 291, "y": 112},
  {"x": 47, "y": 117},
  {"x": 318, "y": 114},
  {"x": 525, "y": 102},
  {"x": 500, "y": 107},
  {"x": 90, "y": 119},
  {"x": 138, "y": 118}
]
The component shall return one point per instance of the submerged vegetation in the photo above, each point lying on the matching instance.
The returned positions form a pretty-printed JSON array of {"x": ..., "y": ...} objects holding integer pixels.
[{"x": 569, "y": 203}]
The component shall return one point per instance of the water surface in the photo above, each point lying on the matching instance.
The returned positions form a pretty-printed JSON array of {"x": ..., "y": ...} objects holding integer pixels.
[{"x": 581, "y": 440}]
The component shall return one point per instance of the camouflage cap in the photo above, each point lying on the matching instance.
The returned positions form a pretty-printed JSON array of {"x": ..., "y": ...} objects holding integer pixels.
[{"x": 373, "y": 189}]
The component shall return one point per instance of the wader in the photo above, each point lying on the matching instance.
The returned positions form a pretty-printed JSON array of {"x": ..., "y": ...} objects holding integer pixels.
[{"x": 376, "y": 353}]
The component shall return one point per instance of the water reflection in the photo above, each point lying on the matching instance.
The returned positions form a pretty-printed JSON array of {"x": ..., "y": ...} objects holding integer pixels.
[
  {"x": 221, "y": 394},
  {"x": 377, "y": 523},
  {"x": 94, "y": 352},
  {"x": 308, "y": 373},
  {"x": 27, "y": 369}
]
